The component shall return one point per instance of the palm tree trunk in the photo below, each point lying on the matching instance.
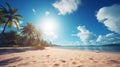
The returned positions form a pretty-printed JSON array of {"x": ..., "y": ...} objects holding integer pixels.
[{"x": 4, "y": 28}]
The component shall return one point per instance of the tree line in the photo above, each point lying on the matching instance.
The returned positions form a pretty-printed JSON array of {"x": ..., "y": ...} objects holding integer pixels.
[{"x": 28, "y": 35}]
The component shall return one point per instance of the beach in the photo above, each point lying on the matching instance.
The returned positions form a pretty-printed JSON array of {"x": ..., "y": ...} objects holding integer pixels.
[{"x": 56, "y": 57}]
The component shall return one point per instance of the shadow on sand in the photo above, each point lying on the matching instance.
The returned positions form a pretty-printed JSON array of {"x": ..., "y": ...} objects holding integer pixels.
[
  {"x": 8, "y": 50},
  {"x": 10, "y": 60}
]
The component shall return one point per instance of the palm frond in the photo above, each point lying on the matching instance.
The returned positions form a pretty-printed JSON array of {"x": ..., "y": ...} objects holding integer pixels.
[
  {"x": 18, "y": 16},
  {"x": 17, "y": 25},
  {"x": 16, "y": 20},
  {"x": 9, "y": 24},
  {"x": 3, "y": 8},
  {"x": 14, "y": 11},
  {"x": 8, "y": 7},
  {"x": 2, "y": 20},
  {"x": 2, "y": 14},
  {"x": 8, "y": 16},
  {"x": 1, "y": 23}
]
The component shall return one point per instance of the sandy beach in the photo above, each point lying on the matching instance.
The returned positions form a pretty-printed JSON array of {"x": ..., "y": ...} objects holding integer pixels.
[{"x": 56, "y": 57}]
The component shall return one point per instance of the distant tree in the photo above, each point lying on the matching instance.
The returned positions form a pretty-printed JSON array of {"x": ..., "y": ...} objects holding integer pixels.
[
  {"x": 10, "y": 38},
  {"x": 31, "y": 35},
  {"x": 9, "y": 17},
  {"x": 28, "y": 31},
  {"x": 38, "y": 35}
]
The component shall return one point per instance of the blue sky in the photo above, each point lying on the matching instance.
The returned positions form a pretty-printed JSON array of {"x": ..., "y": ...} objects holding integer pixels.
[{"x": 72, "y": 22}]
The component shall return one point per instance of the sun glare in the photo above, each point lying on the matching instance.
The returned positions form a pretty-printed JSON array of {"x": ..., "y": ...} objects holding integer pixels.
[{"x": 49, "y": 25}]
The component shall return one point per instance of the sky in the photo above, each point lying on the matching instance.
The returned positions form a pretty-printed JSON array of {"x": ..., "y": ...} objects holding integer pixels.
[{"x": 72, "y": 22}]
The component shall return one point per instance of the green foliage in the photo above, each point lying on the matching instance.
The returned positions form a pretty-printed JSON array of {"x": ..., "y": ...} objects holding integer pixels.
[
  {"x": 9, "y": 17},
  {"x": 30, "y": 35},
  {"x": 15, "y": 46},
  {"x": 13, "y": 39},
  {"x": 10, "y": 38},
  {"x": 39, "y": 46},
  {"x": 33, "y": 37}
]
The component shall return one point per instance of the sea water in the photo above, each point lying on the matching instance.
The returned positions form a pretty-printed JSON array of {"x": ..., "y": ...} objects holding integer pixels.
[{"x": 94, "y": 48}]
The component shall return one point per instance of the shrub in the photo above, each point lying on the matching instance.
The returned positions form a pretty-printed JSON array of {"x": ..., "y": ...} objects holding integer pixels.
[
  {"x": 39, "y": 46},
  {"x": 15, "y": 46}
]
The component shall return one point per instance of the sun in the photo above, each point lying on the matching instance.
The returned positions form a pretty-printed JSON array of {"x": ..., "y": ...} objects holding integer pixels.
[{"x": 49, "y": 25}]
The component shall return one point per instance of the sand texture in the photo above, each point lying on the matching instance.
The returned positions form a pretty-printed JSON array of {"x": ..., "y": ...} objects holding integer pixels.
[{"x": 56, "y": 57}]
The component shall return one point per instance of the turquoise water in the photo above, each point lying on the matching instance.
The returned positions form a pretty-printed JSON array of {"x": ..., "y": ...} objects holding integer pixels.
[{"x": 94, "y": 48}]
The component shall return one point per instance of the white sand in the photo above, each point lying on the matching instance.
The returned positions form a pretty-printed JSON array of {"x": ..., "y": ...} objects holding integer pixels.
[{"x": 55, "y": 57}]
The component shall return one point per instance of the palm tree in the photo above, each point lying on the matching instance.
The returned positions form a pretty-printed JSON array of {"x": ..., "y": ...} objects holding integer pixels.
[
  {"x": 31, "y": 34},
  {"x": 2, "y": 14},
  {"x": 9, "y": 17},
  {"x": 38, "y": 35},
  {"x": 28, "y": 31}
]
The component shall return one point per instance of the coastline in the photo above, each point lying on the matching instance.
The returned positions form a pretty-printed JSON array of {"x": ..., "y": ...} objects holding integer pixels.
[
  {"x": 59, "y": 57},
  {"x": 93, "y": 49}
]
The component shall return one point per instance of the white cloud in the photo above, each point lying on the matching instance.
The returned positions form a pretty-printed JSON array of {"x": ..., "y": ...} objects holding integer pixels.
[
  {"x": 110, "y": 38},
  {"x": 85, "y": 35},
  {"x": 21, "y": 22},
  {"x": 34, "y": 11},
  {"x": 110, "y": 17},
  {"x": 66, "y": 6},
  {"x": 89, "y": 38},
  {"x": 47, "y": 13},
  {"x": 50, "y": 36}
]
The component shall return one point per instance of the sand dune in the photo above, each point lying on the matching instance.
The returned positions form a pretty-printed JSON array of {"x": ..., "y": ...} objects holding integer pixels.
[{"x": 55, "y": 57}]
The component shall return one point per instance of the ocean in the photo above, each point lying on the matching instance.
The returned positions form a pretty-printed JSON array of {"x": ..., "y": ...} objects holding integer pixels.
[{"x": 94, "y": 48}]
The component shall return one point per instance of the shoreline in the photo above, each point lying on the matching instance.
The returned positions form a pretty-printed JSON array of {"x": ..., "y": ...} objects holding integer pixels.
[
  {"x": 32, "y": 48},
  {"x": 57, "y": 57},
  {"x": 89, "y": 50}
]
